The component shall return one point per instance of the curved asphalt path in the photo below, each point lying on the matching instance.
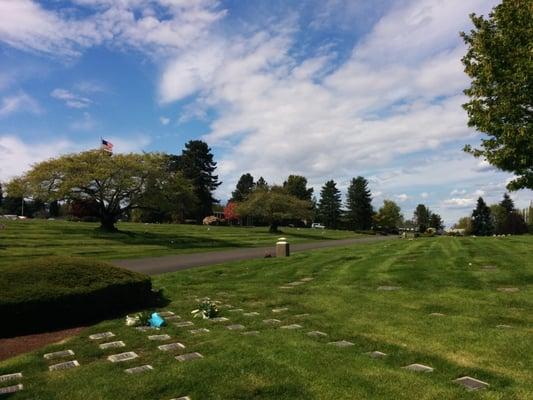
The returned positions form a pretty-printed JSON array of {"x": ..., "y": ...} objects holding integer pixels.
[{"x": 177, "y": 262}]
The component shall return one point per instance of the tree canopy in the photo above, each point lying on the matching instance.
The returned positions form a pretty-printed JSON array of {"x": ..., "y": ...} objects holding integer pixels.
[
  {"x": 481, "y": 219},
  {"x": 329, "y": 206},
  {"x": 389, "y": 216},
  {"x": 296, "y": 185},
  {"x": 116, "y": 183},
  {"x": 359, "y": 204},
  {"x": 197, "y": 164},
  {"x": 274, "y": 205},
  {"x": 422, "y": 217},
  {"x": 500, "y": 66},
  {"x": 244, "y": 187}
]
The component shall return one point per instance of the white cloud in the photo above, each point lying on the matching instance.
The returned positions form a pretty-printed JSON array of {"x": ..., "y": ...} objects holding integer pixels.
[
  {"x": 402, "y": 197},
  {"x": 71, "y": 99},
  {"x": 424, "y": 195},
  {"x": 459, "y": 202},
  {"x": 164, "y": 120},
  {"x": 18, "y": 102},
  {"x": 27, "y": 25}
]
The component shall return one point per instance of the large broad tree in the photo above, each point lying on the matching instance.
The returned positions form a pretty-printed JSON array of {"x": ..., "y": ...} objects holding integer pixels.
[
  {"x": 329, "y": 206},
  {"x": 244, "y": 187},
  {"x": 274, "y": 205},
  {"x": 296, "y": 185},
  {"x": 197, "y": 164},
  {"x": 116, "y": 183},
  {"x": 389, "y": 217},
  {"x": 359, "y": 204},
  {"x": 482, "y": 224},
  {"x": 421, "y": 217},
  {"x": 500, "y": 64}
]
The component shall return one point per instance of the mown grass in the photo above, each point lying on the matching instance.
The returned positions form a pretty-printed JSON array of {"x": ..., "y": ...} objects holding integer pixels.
[
  {"x": 39, "y": 238},
  {"x": 434, "y": 274}
]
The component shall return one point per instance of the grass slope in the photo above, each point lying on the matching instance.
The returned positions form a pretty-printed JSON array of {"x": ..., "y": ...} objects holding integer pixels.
[
  {"x": 38, "y": 238},
  {"x": 434, "y": 274}
]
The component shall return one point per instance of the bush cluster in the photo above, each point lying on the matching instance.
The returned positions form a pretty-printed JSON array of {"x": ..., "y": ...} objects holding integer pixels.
[{"x": 54, "y": 292}]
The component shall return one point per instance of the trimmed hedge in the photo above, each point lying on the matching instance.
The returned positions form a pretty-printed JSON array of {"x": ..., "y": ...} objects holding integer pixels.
[{"x": 55, "y": 292}]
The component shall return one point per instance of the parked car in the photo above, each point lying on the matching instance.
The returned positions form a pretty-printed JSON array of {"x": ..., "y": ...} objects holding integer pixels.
[{"x": 317, "y": 225}]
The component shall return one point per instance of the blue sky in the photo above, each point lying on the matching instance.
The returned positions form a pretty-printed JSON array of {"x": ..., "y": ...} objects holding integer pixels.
[{"x": 329, "y": 89}]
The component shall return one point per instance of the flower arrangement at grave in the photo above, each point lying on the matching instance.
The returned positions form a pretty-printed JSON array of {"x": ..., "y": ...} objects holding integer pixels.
[
  {"x": 206, "y": 309},
  {"x": 139, "y": 319}
]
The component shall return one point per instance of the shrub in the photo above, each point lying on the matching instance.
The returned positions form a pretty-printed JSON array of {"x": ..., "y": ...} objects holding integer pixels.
[{"x": 54, "y": 292}]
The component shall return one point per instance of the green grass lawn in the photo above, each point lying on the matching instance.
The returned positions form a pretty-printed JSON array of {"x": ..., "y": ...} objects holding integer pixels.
[
  {"x": 37, "y": 238},
  {"x": 436, "y": 275}
]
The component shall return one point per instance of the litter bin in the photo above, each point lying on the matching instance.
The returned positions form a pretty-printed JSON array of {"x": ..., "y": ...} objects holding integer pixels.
[{"x": 282, "y": 248}]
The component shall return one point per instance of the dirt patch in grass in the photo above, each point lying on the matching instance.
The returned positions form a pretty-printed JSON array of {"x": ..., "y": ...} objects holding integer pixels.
[{"x": 14, "y": 346}]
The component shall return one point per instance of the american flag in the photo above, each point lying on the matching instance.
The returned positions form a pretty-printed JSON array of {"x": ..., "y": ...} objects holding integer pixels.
[{"x": 107, "y": 145}]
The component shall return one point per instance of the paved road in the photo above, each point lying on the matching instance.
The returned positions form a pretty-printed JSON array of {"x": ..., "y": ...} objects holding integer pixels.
[{"x": 160, "y": 265}]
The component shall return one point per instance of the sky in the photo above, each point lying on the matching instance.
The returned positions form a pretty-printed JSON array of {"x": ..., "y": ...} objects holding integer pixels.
[{"x": 328, "y": 89}]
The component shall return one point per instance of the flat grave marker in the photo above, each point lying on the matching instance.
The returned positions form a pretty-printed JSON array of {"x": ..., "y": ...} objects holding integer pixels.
[
  {"x": 146, "y": 328},
  {"x": 251, "y": 314},
  {"x": 219, "y": 319},
  {"x": 171, "y": 346},
  {"x": 59, "y": 354},
  {"x": 418, "y": 368},
  {"x": 341, "y": 343},
  {"x": 317, "y": 334},
  {"x": 127, "y": 356},
  {"x": 389, "y": 288},
  {"x": 280, "y": 310},
  {"x": 297, "y": 283},
  {"x": 471, "y": 383},
  {"x": 286, "y": 287},
  {"x": 10, "y": 377},
  {"x": 138, "y": 370},
  {"x": 301, "y": 315},
  {"x": 112, "y": 345},
  {"x": 103, "y": 335},
  {"x": 189, "y": 356},
  {"x": 199, "y": 330},
  {"x": 159, "y": 337},
  {"x": 503, "y": 326},
  {"x": 308, "y": 279},
  {"x": 376, "y": 354},
  {"x": 64, "y": 365},
  {"x": 236, "y": 310},
  {"x": 181, "y": 398},
  {"x": 251, "y": 333},
  {"x": 508, "y": 289},
  {"x": 235, "y": 327},
  {"x": 271, "y": 321},
  {"x": 11, "y": 389},
  {"x": 183, "y": 324},
  {"x": 165, "y": 314},
  {"x": 172, "y": 318},
  {"x": 291, "y": 326}
]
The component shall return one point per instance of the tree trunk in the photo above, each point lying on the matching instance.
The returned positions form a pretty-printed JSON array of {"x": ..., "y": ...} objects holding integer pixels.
[
  {"x": 273, "y": 227},
  {"x": 107, "y": 223}
]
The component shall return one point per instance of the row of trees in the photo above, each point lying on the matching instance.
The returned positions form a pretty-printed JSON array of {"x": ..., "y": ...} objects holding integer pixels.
[
  {"x": 294, "y": 201},
  {"x": 498, "y": 219},
  {"x": 148, "y": 186}
]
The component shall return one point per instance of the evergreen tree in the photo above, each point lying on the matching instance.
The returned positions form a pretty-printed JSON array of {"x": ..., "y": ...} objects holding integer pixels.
[
  {"x": 329, "y": 207},
  {"x": 435, "y": 222},
  {"x": 244, "y": 187},
  {"x": 261, "y": 183},
  {"x": 421, "y": 217},
  {"x": 481, "y": 219},
  {"x": 359, "y": 204},
  {"x": 296, "y": 186},
  {"x": 196, "y": 163},
  {"x": 507, "y": 203}
]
